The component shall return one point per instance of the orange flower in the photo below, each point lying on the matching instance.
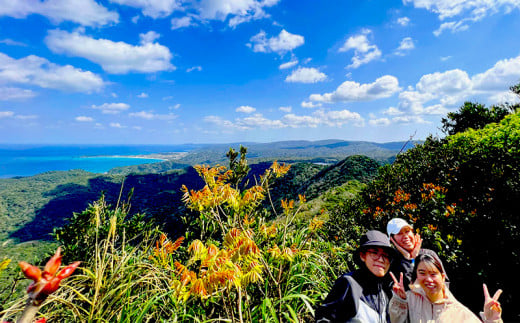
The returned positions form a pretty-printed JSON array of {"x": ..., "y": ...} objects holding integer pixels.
[{"x": 46, "y": 282}]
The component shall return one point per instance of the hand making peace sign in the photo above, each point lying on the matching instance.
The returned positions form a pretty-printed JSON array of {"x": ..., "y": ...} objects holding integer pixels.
[
  {"x": 398, "y": 287},
  {"x": 492, "y": 308}
]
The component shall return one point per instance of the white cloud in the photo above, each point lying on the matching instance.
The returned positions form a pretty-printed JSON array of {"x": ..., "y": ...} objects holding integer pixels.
[
  {"x": 405, "y": 46},
  {"x": 288, "y": 65},
  {"x": 393, "y": 111},
  {"x": 149, "y": 115},
  {"x": 26, "y": 117},
  {"x": 34, "y": 70},
  {"x": 453, "y": 26},
  {"x": 310, "y": 105},
  {"x": 175, "y": 107},
  {"x": 471, "y": 11},
  {"x": 194, "y": 68},
  {"x": 306, "y": 75},
  {"x": 409, "y": 120},
  {"x": 280, "y": 44},
  {"x": 245, "y": 109},
  {"x": 285, "y": 109},
  {"x": 238, "y": 11},
  {"x": 142, "y": 95},
  {"x": 379, "y": 122},
  {"x": 364, "y": 52},
  {"x": 6, "y": 114},
  {"x": 14, "y": 93},
  {"x": 382, "y": 87},
  {"x": 505, "y": 97},
  {"x": 182, "y": 22},
  {"x": 317, "y": 118},
  {"x": 116, "y": 125},
  {"x": 445, "y": 58},
  {"x": 83, "y": 12},
  {"x": 11, "y": 42},
  {"x": 114, "y": 57},
  {"x": 135, "y": 19},
  {"x": 149, "y": 37},
  {"x": 501, "y": 76},
  {"x": 152, "y": 8},
  {"x": 111, "y": 108},
  {"x": 403, "y": 21},
  {"x": 443, "y": 90},
  {"x": 84, "y": 119}
]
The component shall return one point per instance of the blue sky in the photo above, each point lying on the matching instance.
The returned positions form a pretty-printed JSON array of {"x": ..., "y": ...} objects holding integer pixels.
[{"x": 220, "y": 71}]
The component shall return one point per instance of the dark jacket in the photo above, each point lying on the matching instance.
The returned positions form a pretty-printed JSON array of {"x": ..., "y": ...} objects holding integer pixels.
[
  {"x": 358, "y": 296},
  {"x": 405, "y": 266}
]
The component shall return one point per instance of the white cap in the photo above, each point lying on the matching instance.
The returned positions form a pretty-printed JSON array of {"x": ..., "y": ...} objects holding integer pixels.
[{"x": 395, "y": 225}]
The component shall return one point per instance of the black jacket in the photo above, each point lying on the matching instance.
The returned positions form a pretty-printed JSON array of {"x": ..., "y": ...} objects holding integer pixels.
[{"x": 358, "y": 294}]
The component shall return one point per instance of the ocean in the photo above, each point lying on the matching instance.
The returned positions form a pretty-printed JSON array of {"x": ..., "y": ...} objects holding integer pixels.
[{"x": 28, "y": 160}]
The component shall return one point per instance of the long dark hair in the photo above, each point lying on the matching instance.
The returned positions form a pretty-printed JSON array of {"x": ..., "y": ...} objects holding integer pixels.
[{"x": 431, "y": 260}]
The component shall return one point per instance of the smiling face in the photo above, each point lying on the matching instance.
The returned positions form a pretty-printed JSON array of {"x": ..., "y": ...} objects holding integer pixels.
[
  {"x": 431, "y": 280},
  {"x": 377, "y": 260},
  {"x": 405, "y": 238}
]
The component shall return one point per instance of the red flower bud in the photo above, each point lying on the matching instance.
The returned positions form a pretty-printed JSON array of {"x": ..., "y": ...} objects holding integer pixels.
[
  {"x": 67, "y": 271},
  {"x": 54, "y": 263},
  {"x": 30, "y": 271}
]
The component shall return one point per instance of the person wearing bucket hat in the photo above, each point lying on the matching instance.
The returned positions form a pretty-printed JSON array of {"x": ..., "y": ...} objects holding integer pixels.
[
  {"x": 409, "y": 246},
  {"x": 363, "y": 294}
]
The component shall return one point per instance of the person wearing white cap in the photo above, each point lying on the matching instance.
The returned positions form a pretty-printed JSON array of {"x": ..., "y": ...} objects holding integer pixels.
[{"x": 409, "y": 246}]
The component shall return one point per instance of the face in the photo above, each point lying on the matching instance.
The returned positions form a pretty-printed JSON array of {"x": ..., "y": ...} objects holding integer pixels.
[
  {"x": 431, "y": 280},
  {"x": 377, "y": 261},
  {"x": 405, "y": 238}
]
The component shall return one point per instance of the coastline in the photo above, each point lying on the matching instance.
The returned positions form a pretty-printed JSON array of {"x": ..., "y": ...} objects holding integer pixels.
[{"x": 158, "y": 156}]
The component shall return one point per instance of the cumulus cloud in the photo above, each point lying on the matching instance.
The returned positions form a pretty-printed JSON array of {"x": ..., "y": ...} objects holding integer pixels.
[
  {"x": 403, "y": 21},
  {"x": 14, "y": 93},
  {"x": 348, "y": 91},
  {"x": 288, "y": 65},
  {"x": 182, "y": 22},
  {"x": 238, "y": 11},
  {"x": 285, "y": 109},
  {"x": 111, "y": 108},
  {"x": 142, "y": 95},
  {"x": 310, "y": 105},
  {"x": 318, "y": 118},
  {"x": 83, "y": 12},
  {"x": 405, "y": 46},
  {"x": 34, "y": 70},
  {"x": 393, "y": 111},
  {"x": 84, "y": 119},
  {"x": 306, "y": 75},
  {"x": 149, "y": 115},
  {"x": 280, "y": 44},
  {"x": 463, "y": 11},
  {"x": 379, "y": 122},
  {"x": 152, "y": 8},
  {"x": 438, "y": 92},
  {"x": 114, "y": 57},
  {"x": 245, "y": 109},
  {"x": 364, "y": 51},
  {"x": 116, "y": 125}
]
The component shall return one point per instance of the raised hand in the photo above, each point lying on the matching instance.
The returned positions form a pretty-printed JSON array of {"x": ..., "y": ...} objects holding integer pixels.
[
  {"x": 403, "y": 251},
  {"x": 416, "y": 247},
  {"x": 398, "y": 286},
  {"x": 492, "y": 308}
]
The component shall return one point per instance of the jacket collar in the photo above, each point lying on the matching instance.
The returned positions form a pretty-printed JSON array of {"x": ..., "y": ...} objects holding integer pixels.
[{"x": 448, "y": 296}]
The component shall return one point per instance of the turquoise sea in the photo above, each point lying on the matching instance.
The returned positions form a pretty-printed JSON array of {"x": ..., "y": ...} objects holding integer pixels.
[{"x": 28, "y": 160}]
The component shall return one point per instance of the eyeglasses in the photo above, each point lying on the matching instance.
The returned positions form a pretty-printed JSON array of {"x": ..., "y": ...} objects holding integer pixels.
[{"x": 376, "y": 254}]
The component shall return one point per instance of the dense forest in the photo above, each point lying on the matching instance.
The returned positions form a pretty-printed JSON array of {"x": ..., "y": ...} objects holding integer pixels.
[{"x": 265, "y": 241}]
